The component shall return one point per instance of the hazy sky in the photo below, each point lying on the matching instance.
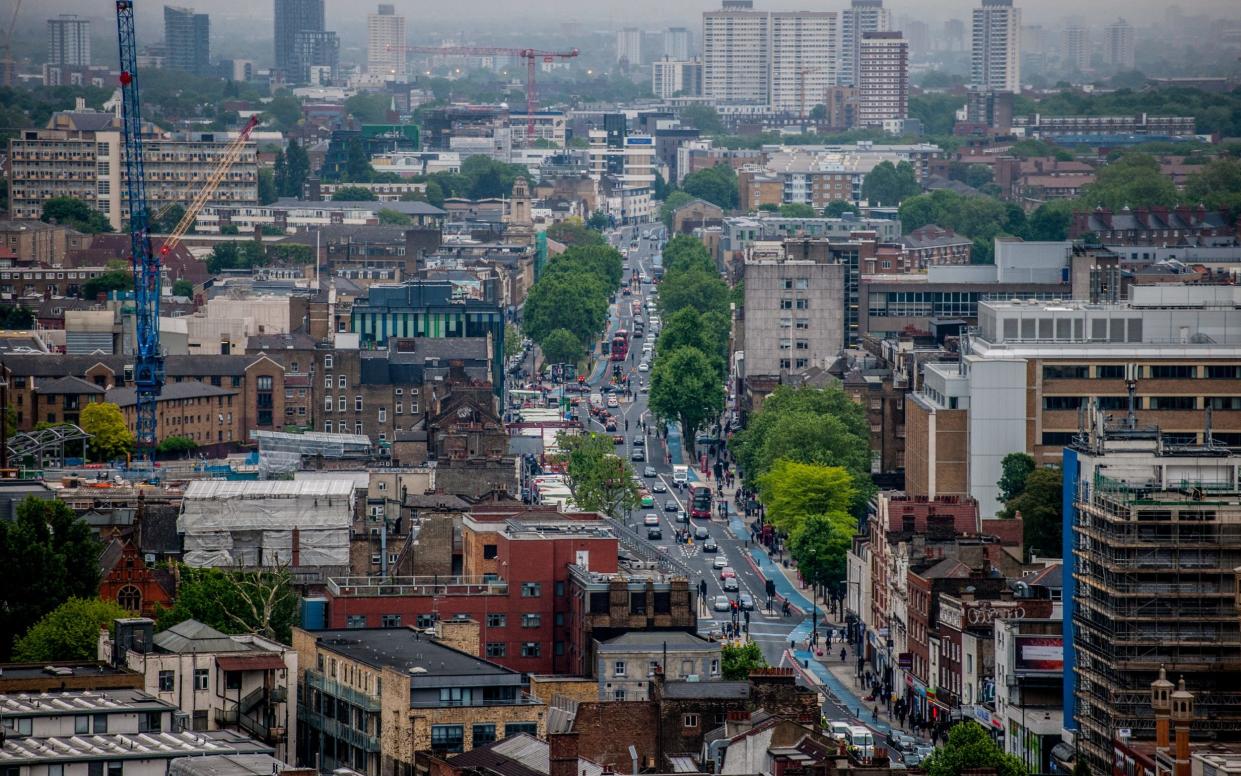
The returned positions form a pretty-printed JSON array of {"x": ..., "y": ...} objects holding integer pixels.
[{"x": 650, "y": 14}]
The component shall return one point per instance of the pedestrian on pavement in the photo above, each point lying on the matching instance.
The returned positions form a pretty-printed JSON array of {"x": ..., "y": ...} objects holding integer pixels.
[
  {"x": 874, "y": 715},
  {"x": 843, "y": 654}
]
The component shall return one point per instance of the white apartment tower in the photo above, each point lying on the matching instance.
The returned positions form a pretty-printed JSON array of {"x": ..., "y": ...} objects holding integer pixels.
[
  {"x": 861, "y": 17},
  {"x": 68, "y": 41},
  {"x": 805, "y": 49},
  {"x": 674, "y": 77},
  {"x": 1120, "y": 45},
  {"x": 629, "y": 46},
  {"x": 996, "y": 60},
  {"x": 736, "y": 53},
  {"x": 883, "y": 78},
  {"x": 1076, "y": 48},
  {"x": 676, "y": 43},
  {"x": 385, "y": 44}
]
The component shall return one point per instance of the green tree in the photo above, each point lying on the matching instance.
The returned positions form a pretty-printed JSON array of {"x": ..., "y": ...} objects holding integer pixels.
[
  {"x": 16, "y": 317},
  {"x": 235, "y": 255},
  {"x": 112, "y": 280},
  {"x": 166, "y": 220},
  {"x": 792, "y": 492},
  {"x": 394, "y": 217},
  {"x": 284, "y": 108},
  {"x": 600, "y": 480},
  {"x": 575, "y": 302},
  {"x": 717, "y": 185},
  {"x": 978, "y": 175},
  {"x": 1050, "y": 221},
  {"x": 68, "y": 632},
  {"x": 704, "y": 291},
  {"x": 838, "y": 207},
  {"x": 821, "y": 547},
  {"x": 1133, "y": 180},
  {"x": 296, "y": 168},
  {"x": 797, "y": 210},
  {"x": 176, "y": 445},
  {"x": 1041, "y": 506},
  {"x": 1015, "y": 469},
  {"x": 268, "y": 193},
  {"x": 685, "y": 386},
  {"x": 573, "y": 231},
  {"x": 889, "y": 184},
  {"x": 47, "y": 555},
  {"x": 357, "y": 162},
  {"x": 110, "y": 437},
  {"x": 369, "y": 107},
  {"x": 702, "y": 117},
  {"x": 561, "y": 347},
  {"x": 670, "y": 204},
  {"x": 598, "y": 221},
  {"x": 684, "y": 253},
  {"x": 687, "y": 328},
  {"x": 183, "y": 287},
  {"x": 738, "y": 660},
  {"x": 354, "y": 194},
  {"x": 76, "y": 214},
  {"x": 1217, "y": 185},
  {"x": 512, "y": 340},
  {"x": 262, "y": 602},
  {"x": 970, "y": 747}
]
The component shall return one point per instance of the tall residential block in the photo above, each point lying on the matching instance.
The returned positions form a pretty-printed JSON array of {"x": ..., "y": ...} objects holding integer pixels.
[
  {"x": 861, "y": 17},
  {"x": 676, "y": 43},
  {"x": 316, "y": 56},
  {"x": 1119, "y": 45},
  {"x": 804, "y": 57},
  {"x": 1075, "y": 48},
  {"x": 736, "y": 53},
  {"x": 385, "y": 43},
  {"x": 68, "y": 41},
  {"x": 995, "y": 62},
  {"x": 292, "y": 17},
  {"x": 187, "y": 40},
  {"x": 883, "y": 78},
  {"x": 676, "y": 77},
  {"x": 629, "y": 46}
]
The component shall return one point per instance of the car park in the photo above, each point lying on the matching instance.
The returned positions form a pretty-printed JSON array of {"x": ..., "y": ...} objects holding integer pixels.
[
  {"x": 648, "y": 471},
  {"x": 722, "y": 603}
]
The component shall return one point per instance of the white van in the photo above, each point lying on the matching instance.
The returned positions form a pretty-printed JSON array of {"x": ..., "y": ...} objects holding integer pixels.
[
  {"x": 680, "y": 474},
  {"x": 863, "y": 740}
]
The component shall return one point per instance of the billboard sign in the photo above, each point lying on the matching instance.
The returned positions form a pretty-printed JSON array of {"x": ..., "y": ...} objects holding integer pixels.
[{"x": 1040, "y": 653}]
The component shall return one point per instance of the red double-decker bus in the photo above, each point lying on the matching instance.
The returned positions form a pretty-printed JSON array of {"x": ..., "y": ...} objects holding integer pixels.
[
  {"x": 620, "y": 345},
  {"x": 700, "y": 502}
]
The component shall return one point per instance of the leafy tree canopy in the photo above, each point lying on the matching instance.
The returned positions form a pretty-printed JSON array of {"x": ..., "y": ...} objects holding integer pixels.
[
  {"x": 601, "y": 481},
  {"x": 717, "y": 185},
  {"x": 354, "y": 194},
  {"x": 110, "y": 435},
  {"x": 797, "y": 210},
  {"x": 685, "y": 386},
  {"x": 738, "y": 660},
  {"x": 889, "y": 184},
  {"x": 76, "y": 214},
  {"x": 1015, "y": 468},
  {"x": 561, "y": 347},
  {"x": 262, "y": 602},
  {"x": 684, "y": 253},
  {"x": 1041, "y": 506},
  {"x": 970, "y": 747},
  {"x": 574, "y": 231},
  {"x": 68, "y": 632}
]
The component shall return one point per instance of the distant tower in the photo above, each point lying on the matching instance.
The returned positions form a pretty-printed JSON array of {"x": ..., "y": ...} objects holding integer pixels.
[
  {"x": 520, "y": 219},
  {"x": 1182, "y": 717},
  {"x": 1161, "y": 702},
  {"x": 68, "y": 41},
  {"x": 385, "y": 44},
  {"x": 1120, "y": 50},
  {"x": 995, "y": 61}
]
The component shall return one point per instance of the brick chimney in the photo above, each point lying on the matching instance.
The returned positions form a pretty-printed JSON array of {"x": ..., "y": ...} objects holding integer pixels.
[
  {"x": 562, "y": 753},
  {"x": 1182, "y": 718},
  {"x": 1161, "y": 702}
]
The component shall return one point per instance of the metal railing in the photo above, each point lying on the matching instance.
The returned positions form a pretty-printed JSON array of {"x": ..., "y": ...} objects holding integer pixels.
[{"x": 366, "y": 587}]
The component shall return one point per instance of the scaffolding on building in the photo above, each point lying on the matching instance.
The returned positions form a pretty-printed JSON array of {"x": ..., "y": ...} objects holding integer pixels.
[{"x": 313, "y": 443}]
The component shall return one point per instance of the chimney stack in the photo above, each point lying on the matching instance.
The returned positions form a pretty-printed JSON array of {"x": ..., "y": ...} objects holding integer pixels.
[
  {"x": 1182, "y": 717},
  {"x": 1161, "y": 702},
  {"x": 562, "y": 754}
]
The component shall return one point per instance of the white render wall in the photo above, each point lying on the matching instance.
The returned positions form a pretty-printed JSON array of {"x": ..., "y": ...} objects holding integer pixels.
[{"x": 997, "y": 423}]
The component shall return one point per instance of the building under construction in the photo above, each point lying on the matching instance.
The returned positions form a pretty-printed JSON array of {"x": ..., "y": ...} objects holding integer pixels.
[{"x": 1152, "y": 539}]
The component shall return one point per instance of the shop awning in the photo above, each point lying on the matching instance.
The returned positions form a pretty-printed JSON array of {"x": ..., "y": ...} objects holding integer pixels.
[{"x": 267, "y": 662}]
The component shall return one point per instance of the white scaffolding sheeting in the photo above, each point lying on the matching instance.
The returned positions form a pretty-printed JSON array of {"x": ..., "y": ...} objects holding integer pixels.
[{"x": 246, "y": 523}]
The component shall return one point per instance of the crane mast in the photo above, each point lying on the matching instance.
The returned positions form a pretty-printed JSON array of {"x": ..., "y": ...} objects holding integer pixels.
[{"x": 148, "y": 356}]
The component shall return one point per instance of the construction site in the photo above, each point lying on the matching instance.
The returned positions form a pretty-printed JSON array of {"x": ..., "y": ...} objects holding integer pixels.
[{"x": 1154, "y": 542}]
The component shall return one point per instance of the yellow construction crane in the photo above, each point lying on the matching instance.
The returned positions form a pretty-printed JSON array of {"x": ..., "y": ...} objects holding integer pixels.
[
  {"x": 7, "y": 66},
  {"x": 230, "y": 155}
]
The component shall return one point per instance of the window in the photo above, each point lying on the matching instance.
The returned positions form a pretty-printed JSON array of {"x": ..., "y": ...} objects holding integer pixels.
[
  {"x": 356, "y": 621},
  {"x": 483, "y": 734},
  {"x": 167, "y": 680},
  {"x": 496, "y": 621},
  {"x": 327, "y": 426},
  {"x": 81, "y": 724},
  {"x": 803, "y": 323},
  {"x": 530, "y": 649},
  {"x": 327, "y": 362},
  {"x": 1058, "y": 438},
  {"x": 1061, "y": 402},
  {"x": 327, "y": 403},
  {"x": 424, "y": 621},
  {"x": 1224, "y": 372},
  {"x": 383, "y": 414},
  {"x": 1224, "y": 402},
  {"x": 456, "y": 696},
  {"x": 357, "y": 403},
  {"x": 342, "y": 382},
  {"x": 340, "y": 405},
  {"x": 715, "y": 667},
  {"x": 264, "y": 401},
  {"x": 689, "y": 721},
  {"x": 497, "y": 649},
  {"x": 55, "y": 769},
  {"x": 531, "y": 620},
  {"x": 150, "y": 722},
  {"x": 201, "y": 676},
  {"x": 618, "y": 694},
  {"x": 531, "y": 590},
  {"x": 802, "y": 304},
  {"x": 327, "y": 382},
  {"x": 447, "y": 738},
  {"x": 1172, "y": 402},
  {"x": 559, "y": 588},
  {"x": 618, "y": 668},
  {"x": 1173, "y": 372},
  {"x": 786, "y": 323},
  {"x": 490, "y": 551},
  {"x": 514, "y": 728},
  {"x": 99, "y": 723},
  {"x": 390, "y": 620},
  {"x": 1066, "y": 372}
]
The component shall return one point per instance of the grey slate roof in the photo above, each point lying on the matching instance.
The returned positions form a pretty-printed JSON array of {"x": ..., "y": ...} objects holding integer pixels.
[
  {"x": 675, "y": 641},
  {"x": 706, "y": 690},
  {"x": 191, "y": 389},
  {"x": 67, "y": 385},
  {"x": 406, "y": 649},
  {"x": 193, "y": 636}
]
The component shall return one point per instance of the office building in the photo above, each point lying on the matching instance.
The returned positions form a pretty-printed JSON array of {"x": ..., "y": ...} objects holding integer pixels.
[
  {"x": 1152, "y": 541},
  {"x": 676, "y": 78},
  {"x": 629, "y": 47},
  {"x": 187, "y": 40},
  {"x": 804, "y": 56},
  {"x": 1075, "y": 48},
  {"x": 124, "y": 731},
  {"x": 883, "y": 78},
  {"x": 292, "y": 17},
  {"x": 385, "y": 43},
  {"x": 68, "y": 41},
  {"x": 736, "y": 54},
  {"x": 316, "y": 57},
  {"x": 861, "y": 17},
  {"x": 1119, "y": 48},
  {"x": 191, "y": 665},
  {"x": 794, "y": 314},
  {"x": 88, "y": 164},
  {"x": 995, "y": 61},
  {"x": 676, "y": 43}
]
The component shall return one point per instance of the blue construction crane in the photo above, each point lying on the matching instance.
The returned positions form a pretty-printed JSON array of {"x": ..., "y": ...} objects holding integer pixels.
[{"x": 149, "y": 358}]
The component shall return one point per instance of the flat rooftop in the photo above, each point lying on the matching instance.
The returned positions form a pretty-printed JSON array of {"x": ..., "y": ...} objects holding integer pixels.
[
  {"x": 407, "y": 650},
  {"x": 125, "y": 746},
  {"x": 101, "y": 701}
]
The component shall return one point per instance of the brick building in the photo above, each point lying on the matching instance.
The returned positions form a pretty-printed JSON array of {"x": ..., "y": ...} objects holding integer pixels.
[
  {"x": 201, "y": 412},
  {"x": 1156, "y": 226},
  {"x": 61, "y": 400},
  {"x": 41, "y": 243}
]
